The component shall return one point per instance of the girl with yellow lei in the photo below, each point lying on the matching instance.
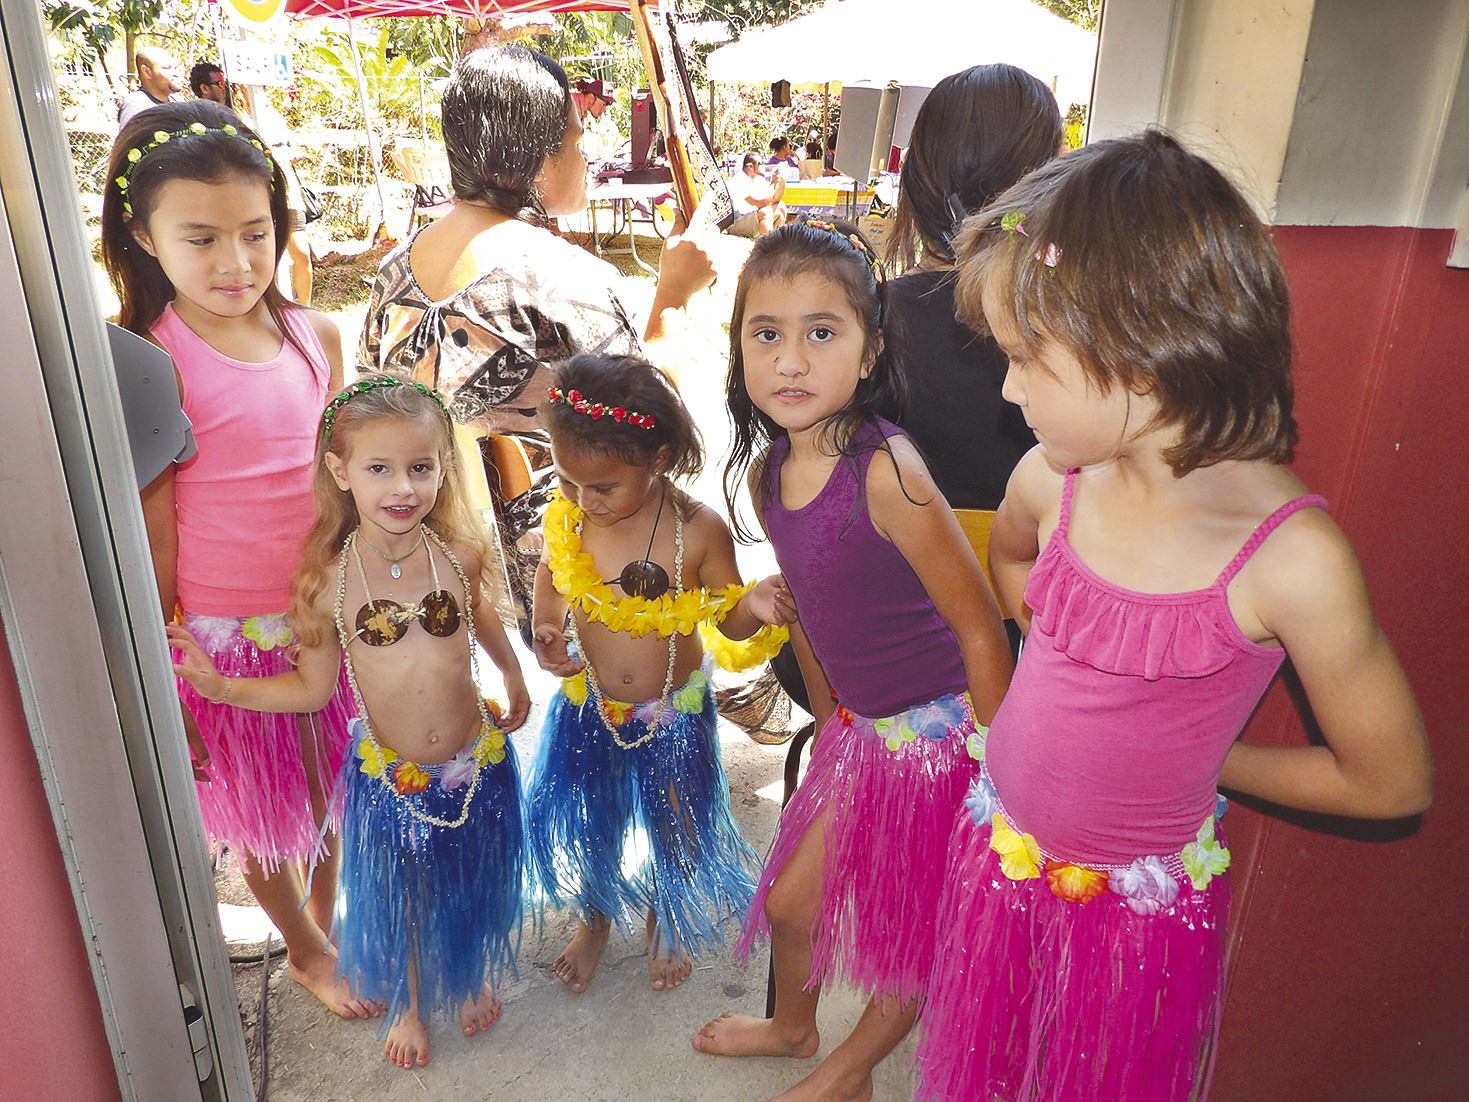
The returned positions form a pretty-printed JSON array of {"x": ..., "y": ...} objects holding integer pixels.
[{"x": 630, "y": 740}]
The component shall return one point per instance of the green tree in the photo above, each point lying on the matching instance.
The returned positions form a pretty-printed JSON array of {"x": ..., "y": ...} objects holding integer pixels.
[
  {"x": 97, "y": 23},
  {"x": 1084, "y": 13}
]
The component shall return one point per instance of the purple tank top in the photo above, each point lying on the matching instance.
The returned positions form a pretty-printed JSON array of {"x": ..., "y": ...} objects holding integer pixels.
[
  {"x": 881, "y": 642},
  {"x": 1109, "y": 743}
]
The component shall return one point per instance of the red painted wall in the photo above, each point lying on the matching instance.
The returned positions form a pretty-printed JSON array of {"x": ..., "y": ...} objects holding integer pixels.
[
  {"x": 1349, "y": 978},
  {"x": 52, "y": 1041}
]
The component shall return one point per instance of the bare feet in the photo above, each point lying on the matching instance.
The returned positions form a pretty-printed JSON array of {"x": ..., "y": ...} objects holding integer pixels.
[
  {"x": 578, "y": 962},
  {"x": 668, "y": 965},
  {"x": 481, "y": 1013},
  {"x": 407, "y": 1044},
  {"x": 318, "y": 974},
  {"x": 829, "y": 1084},
  {"x": 742, "y": 1035}
]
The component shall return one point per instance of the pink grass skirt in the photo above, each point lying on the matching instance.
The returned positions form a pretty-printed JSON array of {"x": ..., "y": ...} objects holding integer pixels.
[
  {"x": 257, "y": 799},
  {"x": 891, "y": 788},
  {"x": 1034, "y": 997}
]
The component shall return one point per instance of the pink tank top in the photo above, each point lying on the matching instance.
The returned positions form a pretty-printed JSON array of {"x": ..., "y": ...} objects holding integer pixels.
[
  {"x": 1109, "y": 743},
  {"x": 244, "y": 501}
]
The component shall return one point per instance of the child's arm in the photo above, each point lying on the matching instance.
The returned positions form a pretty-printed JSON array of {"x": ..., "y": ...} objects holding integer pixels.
[
  {"x": 331, "y": 342},
  {"x": 1306, "y": 588},
  {"x": 548, "y": 621},
  {"x": 491, "y": 635},
  {"x": 161, "y": 523},
  {"x": 307, "y": 688},
  {"x": 906, "y": 507},
  {"x": 818, "y": 688},
  {"x": 1014, "y": 538},
  {"x": 769, "y": 602}
]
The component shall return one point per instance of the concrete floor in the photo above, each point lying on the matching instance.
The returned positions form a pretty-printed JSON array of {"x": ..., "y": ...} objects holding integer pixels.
[{"x": 619, "y": 1040}]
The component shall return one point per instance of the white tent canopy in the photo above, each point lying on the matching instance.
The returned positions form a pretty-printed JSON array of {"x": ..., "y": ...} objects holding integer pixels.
[{"x": 913, "y": 42}]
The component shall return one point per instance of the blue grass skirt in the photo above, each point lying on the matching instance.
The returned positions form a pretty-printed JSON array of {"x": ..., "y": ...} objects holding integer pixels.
[
  {"x": 590, "y": 797},
  {"x": 448, "y": 900}
]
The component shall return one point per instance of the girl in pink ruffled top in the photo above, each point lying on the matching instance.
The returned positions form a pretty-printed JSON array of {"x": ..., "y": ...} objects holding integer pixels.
[
  {"x": 1164, "y": 561},
  {"x": 193, "y": 226}
]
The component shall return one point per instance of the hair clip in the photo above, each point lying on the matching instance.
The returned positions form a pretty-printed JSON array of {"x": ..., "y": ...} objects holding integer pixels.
[
  {"x": 387, "y": 382},
  {"x": 163, "y": 137},
  {"x": 597, "y": 410},
  {"x": 1014, "y": 222},
  {"x": 850, "y": 238}
]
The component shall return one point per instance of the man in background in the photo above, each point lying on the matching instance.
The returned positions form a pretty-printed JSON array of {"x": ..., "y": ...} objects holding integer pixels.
[
  {"x": 206, "y": 81},
  {"x": 600, "y": 140},
  {"x": 158, "y": 82},
  {"x": 757, "y": 200}
]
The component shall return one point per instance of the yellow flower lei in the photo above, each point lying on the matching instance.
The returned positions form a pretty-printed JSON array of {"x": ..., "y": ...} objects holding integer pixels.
[{"x": 577, "y": 578}]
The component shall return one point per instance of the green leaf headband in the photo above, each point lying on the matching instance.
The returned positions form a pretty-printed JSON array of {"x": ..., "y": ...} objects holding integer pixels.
[
  {"x": 329, "y": 415},
  {"x": 163, "y": 137}
]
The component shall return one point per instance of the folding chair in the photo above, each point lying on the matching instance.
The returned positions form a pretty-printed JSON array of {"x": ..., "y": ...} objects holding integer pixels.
[{"x": 428, "y": 172}]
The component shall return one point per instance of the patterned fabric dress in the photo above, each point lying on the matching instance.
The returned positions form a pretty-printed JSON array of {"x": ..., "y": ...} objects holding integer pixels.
[{"x": 491, "y": 346}]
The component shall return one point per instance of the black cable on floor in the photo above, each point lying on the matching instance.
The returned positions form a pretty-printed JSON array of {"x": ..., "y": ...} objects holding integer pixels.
[{"x": 262, "y": 1027}]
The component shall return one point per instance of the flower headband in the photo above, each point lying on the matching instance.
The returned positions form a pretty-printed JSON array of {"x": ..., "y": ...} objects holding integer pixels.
[
  {"x": 597, "y": 410},
  {"x": 163, "y": 137},
  {"x": 1013, "y": 223},
  {"x": 850, "y": 238},
  {"x": 329, "y": 415}
]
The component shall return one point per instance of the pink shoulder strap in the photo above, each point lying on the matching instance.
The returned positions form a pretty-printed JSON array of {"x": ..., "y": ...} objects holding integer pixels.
[
  {"x": 1264, "y": 528},
  {"x": 1068, "y": 487},
  {"x": 305, "y": 333}
]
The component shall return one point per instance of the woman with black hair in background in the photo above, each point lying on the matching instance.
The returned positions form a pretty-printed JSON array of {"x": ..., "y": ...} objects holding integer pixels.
[
  {"x": 482, "y": 302},
  {"x": 978, "y": 132}
]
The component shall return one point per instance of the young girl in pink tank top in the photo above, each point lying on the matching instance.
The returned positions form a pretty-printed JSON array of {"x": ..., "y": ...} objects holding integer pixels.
[
  {"x": 1164, "y": 562},
  {"x": 192, "y": 234}
]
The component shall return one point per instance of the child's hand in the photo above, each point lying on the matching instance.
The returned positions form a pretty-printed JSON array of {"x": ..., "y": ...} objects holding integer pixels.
[
  {"x": 771, "y": 602},
  {"x": 551, "y": 652},
  {"x": 196, "y": 667},
  {"x": 518, "y": 698}
]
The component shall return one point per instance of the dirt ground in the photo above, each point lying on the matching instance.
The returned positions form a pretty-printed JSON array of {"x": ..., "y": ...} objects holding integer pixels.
[{"x": 619, "y": 1040}]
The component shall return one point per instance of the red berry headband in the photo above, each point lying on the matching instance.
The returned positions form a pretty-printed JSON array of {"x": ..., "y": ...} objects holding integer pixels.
[{"x": 597, "y": 410}]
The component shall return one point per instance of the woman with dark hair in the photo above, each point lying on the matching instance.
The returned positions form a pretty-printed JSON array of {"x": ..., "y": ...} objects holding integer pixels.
[
  {"x": 482, "y": 302},
  {"x": 978, "y": 132}
]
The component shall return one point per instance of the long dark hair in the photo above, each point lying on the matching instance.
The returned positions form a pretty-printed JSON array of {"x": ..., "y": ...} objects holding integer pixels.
[
  {"x": 504, "y": 113},
  {"x": 211, "y": 157},
  {"x": 978, "y": 132},
  {"x": 800, "y": 248}
]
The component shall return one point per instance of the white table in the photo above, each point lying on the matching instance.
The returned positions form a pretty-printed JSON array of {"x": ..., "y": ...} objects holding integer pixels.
[{"x": 619, "y": 199}]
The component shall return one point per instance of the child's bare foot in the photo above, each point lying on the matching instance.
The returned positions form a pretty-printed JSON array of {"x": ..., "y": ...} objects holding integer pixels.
[
  {"x": 481, "y": 1013},
  {"x": 578, "y": 962},
  {"x": 668, "y": 966},
  {"x": 318, "y": 974},
  {"x": 407, "y": 1044},
  {"x": 829, "y": 1084},
  {"x": 742, "y": 1035}
]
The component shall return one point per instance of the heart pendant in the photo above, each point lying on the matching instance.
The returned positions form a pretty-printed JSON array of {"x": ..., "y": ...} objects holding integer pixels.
[{"x": 395, "y": 570}]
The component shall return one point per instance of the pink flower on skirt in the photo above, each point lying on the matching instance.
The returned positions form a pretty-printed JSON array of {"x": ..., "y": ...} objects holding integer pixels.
[
  {"x": 458, "y": 770},
  {"x": 1146, "y": 885}
]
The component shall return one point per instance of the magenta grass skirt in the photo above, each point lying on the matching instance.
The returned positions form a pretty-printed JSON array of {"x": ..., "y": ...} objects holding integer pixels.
[
  {"x": 1035, "y": 997},
  {"x": 257, "y": 800},
  {"x": 891, "y": 787}
]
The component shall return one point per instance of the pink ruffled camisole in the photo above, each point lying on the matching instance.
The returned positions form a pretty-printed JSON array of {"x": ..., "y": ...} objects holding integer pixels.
[
  {"x": 244, "y": 501},
  {"x": 1109, "y": 744}
]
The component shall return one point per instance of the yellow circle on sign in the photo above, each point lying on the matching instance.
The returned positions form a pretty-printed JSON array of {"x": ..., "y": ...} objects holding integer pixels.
[{"x": 258, "y": 12}]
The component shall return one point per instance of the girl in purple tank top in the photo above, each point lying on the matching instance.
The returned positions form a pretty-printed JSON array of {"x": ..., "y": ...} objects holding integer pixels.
[
  {"x": 1164, "y": 562},
  {"x": 899, "y": 640}
]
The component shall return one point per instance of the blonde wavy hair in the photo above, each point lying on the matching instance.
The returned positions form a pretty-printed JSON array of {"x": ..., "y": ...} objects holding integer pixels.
[{"x": 336, "y": 512}]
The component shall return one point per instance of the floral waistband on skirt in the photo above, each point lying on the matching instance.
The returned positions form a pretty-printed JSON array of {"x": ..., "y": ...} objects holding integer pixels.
[
  {"x": 951, "y": 714},
  {"x": 408, "y": 778},
  {"x": 1147, "y": 884}
]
